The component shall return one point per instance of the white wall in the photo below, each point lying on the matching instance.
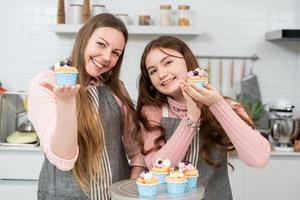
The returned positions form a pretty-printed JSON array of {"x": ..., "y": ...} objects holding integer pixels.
[{"x": 232, "y": 27}]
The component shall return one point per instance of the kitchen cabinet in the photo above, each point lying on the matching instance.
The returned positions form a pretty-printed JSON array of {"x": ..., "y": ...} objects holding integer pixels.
[
  {"x": 278, "y": 180},
  {"x": 19, "y": 172},
  {"x": 135, "y": 30}
]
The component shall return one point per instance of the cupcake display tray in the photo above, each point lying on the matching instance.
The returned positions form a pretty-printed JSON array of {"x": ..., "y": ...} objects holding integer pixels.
[{"x": 127, "y": 190}]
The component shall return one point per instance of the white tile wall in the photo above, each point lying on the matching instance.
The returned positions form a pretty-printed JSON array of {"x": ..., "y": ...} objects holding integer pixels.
[{"x": 232, "y": 27}]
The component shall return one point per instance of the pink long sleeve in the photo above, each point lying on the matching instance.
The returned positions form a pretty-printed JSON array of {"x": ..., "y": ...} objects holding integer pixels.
[
  {"x": 175, "y": 148},
  {"x": 251, "y": 147},
  {"x": 42, "y": 113}
]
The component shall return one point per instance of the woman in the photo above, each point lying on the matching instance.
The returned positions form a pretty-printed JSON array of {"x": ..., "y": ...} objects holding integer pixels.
[
  {"x": 181, "y": 121},
  {"x": 86, "y": 130}
]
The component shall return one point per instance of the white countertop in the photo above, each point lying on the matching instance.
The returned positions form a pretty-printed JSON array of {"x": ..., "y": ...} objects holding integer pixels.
[{"x": 18, "y": 148}]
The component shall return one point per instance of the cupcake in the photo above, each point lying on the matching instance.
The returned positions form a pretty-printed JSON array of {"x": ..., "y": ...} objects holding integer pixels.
[
  {"x": 65, "y": 74},
  {"x": 190, "y": 172},
  {"x": 197, "y": 77},
  {"x": 147, "y": 184},
  {"x": 176, "y": 182},
  {"x": 161, "y": 169}
]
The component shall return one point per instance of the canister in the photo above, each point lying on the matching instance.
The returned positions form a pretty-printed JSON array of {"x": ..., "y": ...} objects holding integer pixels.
[
  {"x": 184, "y": 15},
  {"x": 165, "y": 15},
  {"x": 98, "y": 9},
  {"x": 75, "y": 14},
  {"x": 123, "y": 17}
]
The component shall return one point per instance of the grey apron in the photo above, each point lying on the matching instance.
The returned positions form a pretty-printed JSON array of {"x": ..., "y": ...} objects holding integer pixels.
[
  {"x": 215, "y": 180},
  {"x": 60, "y": 185}
]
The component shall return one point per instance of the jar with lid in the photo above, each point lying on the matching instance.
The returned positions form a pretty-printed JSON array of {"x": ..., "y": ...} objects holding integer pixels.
[
  {"x": 184, "y": 15},
  {"x": 98, "y": 9},
  {"x": 144, "y": 20},
  {"x": 123, "y": 17},
  {"x": 75, "y": 13},
  {"x": 165, "y": 15}
]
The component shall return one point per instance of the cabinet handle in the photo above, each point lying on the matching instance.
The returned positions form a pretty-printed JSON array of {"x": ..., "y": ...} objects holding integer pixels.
[{"x": 11, "y": 179}]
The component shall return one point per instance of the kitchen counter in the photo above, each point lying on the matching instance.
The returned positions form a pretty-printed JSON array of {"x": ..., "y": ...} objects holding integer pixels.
[{"x": 20, "y": 148}]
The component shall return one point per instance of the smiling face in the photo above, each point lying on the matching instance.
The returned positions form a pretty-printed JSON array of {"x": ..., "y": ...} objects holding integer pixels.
[
  {"x": 166, "y": 67},
  {"x": 103, "y": 50}
]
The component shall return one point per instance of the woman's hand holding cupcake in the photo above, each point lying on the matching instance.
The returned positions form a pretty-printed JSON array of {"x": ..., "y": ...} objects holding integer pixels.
[{"x": 66, "y": 78}]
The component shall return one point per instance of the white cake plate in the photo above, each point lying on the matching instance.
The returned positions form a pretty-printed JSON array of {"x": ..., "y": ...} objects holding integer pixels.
[{"x": 127, "y": 190}]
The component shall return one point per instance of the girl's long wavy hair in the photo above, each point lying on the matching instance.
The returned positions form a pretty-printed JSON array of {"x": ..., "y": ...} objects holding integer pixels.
[
  {"x": 90, "y": 131},
  {"x": 213, "y": 134}
]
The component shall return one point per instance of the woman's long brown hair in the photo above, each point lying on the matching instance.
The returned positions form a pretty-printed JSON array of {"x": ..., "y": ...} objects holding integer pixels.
[
  {"x": 90, "y": 131},
  {"x": 213, "y": 134}
]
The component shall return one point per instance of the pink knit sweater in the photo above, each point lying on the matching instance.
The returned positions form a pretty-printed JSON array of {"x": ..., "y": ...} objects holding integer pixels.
[{"x": 251, "y": 147}]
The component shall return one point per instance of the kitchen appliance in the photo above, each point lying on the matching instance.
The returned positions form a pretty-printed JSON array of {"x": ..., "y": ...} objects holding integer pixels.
[
  {"x": 15, "y": 127},
  {"x": 282, "y": 125}
]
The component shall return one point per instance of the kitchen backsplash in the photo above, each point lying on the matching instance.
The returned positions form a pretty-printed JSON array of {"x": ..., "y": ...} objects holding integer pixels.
[{"x": 232, "y": 28}]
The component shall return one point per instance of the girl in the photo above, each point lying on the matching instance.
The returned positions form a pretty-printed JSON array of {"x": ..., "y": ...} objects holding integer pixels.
[
  {"x": 86, "y": 130},
  {"x": 181, "y": 121}
]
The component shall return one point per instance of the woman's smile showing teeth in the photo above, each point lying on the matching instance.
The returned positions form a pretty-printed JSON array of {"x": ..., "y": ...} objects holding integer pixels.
[{"x": 96, "y": 63}]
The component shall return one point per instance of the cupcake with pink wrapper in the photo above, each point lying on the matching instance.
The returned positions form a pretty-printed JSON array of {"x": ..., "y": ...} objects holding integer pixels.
[
  {"x": 198, "y": 77},
  {"x": 190, "y": 172},
  {"x": 176, "y": 182},
  {"x": 161, "y": 169},
  {"x": 65, "y": 73},
  {"x": 147, "y": 184}
]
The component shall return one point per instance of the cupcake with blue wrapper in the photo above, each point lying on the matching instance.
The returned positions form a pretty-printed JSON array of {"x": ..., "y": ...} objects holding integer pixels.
[
  {"x": 198, "y": 77},
  {"x": 65, "y": 73},
  {"x": 161, "y": 169},
  {"x": 147, "y": 184},
  {"x": 190, "y": 172},
  {"x": 176, "y": 182}
]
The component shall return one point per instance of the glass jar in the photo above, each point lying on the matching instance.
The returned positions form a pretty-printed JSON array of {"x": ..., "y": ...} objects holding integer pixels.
[
  {"x": 123, "y": 17},
  {"x": 165, "y": 15},
  {"x": 75, "y": 14},
  {"x": 184, "y": 15},
  {"x": 144, "y": 20},
  {"x": 97, "y": 9}
]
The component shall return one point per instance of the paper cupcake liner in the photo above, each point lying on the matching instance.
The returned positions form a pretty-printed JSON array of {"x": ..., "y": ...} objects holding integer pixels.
[
  {"x": 176, "y": 187},
  {"x": 199, "y": 83},
  {"x": 161, "y": 176},
  {"x": 147, "y": 190},
  {"x": 65, "y": 78},
  {"x": 192, "y": 182}
]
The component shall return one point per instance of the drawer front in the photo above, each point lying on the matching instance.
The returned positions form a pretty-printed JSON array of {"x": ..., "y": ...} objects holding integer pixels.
[
  {"x": 20, "y": 165},
  {"x": 18, "y": 189}
]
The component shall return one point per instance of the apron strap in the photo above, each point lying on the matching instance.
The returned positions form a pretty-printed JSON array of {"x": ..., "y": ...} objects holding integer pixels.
[{"x": 165, "y": 111}]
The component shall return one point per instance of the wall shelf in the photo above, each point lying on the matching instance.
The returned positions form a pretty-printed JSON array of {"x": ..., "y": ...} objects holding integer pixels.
[{"x": 134, "y": 30}]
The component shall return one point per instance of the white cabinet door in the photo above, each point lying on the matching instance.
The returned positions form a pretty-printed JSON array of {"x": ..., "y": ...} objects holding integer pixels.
[
  {"x": 20, "y": 164},
  {"x": 236, "y": 177},
  {"x": 280, "y": 179},
  {"x": 19, "y": 173},
  {"x": 18, "y": 189}
]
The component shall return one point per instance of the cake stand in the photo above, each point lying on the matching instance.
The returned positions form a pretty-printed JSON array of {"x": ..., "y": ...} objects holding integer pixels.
[{"x": 127, "y": 190}]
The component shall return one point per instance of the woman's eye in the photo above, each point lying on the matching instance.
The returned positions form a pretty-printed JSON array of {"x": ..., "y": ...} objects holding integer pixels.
[
  {"x": 101, "y": 44},
  {"x": 116, "y": 54}
]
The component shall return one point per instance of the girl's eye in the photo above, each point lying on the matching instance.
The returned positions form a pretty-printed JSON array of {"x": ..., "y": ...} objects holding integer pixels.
[
  {"x": 168, "y": 62},
  {"x": 101, "y": 44},
  {"x": 151, "y": 72},
  {"x": 116, "y": 54}
]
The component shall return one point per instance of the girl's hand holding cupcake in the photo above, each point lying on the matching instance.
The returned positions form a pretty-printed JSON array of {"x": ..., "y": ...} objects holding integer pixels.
[
  {"x": 193, "y": 110},
  {"x": 206, "y": 95}
]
